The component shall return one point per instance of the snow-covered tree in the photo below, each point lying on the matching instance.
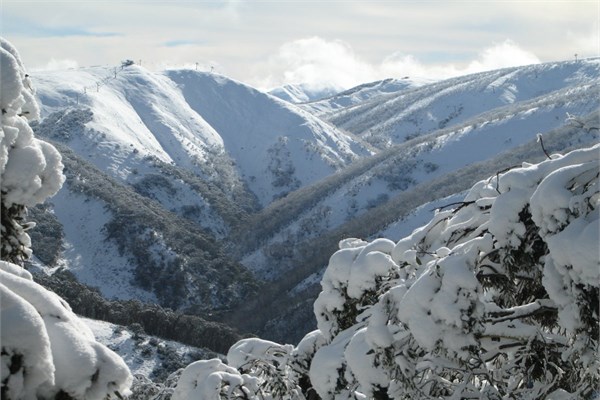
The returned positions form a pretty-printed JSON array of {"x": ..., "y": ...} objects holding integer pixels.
[
  {"x": 47, "y": 351},
  {"x": 495, "y": 298},
  {"x": 256, "y": 369},
  {"x": 30, "y": 169}
]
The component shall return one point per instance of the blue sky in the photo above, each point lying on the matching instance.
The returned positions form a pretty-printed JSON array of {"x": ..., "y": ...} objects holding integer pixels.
[{"x": 268, "y": 42}]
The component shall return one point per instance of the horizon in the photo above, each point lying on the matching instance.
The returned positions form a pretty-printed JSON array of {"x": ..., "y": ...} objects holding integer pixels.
[{"x": 327, "y": 44}]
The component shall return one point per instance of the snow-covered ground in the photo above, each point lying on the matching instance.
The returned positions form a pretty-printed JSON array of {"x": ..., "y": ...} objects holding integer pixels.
[
  {"x": 145, "y": 355},
  {"x": 94, "y": 260}
]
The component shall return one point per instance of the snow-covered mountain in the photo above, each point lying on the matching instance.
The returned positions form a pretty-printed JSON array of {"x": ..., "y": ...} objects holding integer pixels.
[
  {"x": 433, "y": 154},
  {"x": 295, "y": 255},
  {"x": 207, "y": 123},
  {"x": 361, "y": 94},
  {"x": 302, "y": 93},
  {"x": 131, "y": 247},
  {"x": 216, "y": 156},
  {"x": 277, "y": 147},
  {"x": 192, "y": 153},
  {"x": 495, "y": 296},
  {"x": 387, "y": 120}
]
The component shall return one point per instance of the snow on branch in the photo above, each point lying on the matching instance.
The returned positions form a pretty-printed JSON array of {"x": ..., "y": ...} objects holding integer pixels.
[{"x": 31, "y": 169}]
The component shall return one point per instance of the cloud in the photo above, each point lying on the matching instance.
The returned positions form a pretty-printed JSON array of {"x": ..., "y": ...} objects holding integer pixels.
[
  {"x": 54, "y": 65},
  {"x": 320, "y": 63},
  {"x": 500, "y": 55},
  {"x": 315, "y": 62},
  {"x": 74, "y": 31},
  {"x": 506, "y": 54},
  {"x": 181, "y": 42},
  {"x": 18, "y": 25}
]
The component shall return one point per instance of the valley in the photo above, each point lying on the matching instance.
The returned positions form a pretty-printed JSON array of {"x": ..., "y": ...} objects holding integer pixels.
[{"x": 209, "y": 197}]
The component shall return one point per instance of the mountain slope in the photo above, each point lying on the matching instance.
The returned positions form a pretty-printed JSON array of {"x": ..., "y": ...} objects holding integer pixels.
[
  {"x": 305, "y": 259},
  {"x": 151, "y": 183},
  {"x": 386, "y": 120},
  {"x": 276, "y": 146},
  {"x": 495, "y": 296},
  {"x": 311, "y": 211},
  {"x": 361, "y": 94},
  {"x": 302, "y": 93},
  {"x": 292, "y": 238},
  {"x": 131, "y": 110},
  {"x": 130, "y": 247},
  {"x": 229, "y": 133}
]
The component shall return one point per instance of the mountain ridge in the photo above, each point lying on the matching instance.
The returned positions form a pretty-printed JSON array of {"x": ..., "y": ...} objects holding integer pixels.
[{"x": 264, "y": 236}]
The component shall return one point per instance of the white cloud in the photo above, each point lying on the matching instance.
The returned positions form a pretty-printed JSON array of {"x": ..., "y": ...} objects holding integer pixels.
[
  {"x": 320, "y": 63},
  {"x": 55, "y": 64},
  {"x": 506, "y": 54},
  {"x": 241, "y": 34},
  {"x": 315, "y": 62}
]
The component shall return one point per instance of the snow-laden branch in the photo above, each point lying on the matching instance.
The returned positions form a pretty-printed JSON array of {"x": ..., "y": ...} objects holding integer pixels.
[{"x": 522, "y": 311}]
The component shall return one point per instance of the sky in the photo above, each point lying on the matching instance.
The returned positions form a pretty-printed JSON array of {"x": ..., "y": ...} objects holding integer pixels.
[{"x": 267, "y": 43}]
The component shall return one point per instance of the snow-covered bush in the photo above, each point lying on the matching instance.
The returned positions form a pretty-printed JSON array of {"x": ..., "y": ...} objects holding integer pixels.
[
  {"x": 212, "y": 379},
  {"x": 496, "y": 298},
  {"x": 256, "y": 369},
  {"x": 30, "y": 169},
  {"x": 47, "y": 351}
]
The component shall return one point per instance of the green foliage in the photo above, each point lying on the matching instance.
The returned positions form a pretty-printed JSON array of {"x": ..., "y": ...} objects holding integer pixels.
[
  {"x": 64, "y": 125},
  {"x": 397, "y": 173},
  {"x": 225, "y": 192},
  {"x": 15, "y": 243},
  {"x": 47, "y": 235},
  {"x": 281, "y": 168}
]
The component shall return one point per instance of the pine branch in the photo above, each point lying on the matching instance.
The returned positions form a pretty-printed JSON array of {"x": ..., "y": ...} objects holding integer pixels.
[{"x": 524, "y": 311}]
